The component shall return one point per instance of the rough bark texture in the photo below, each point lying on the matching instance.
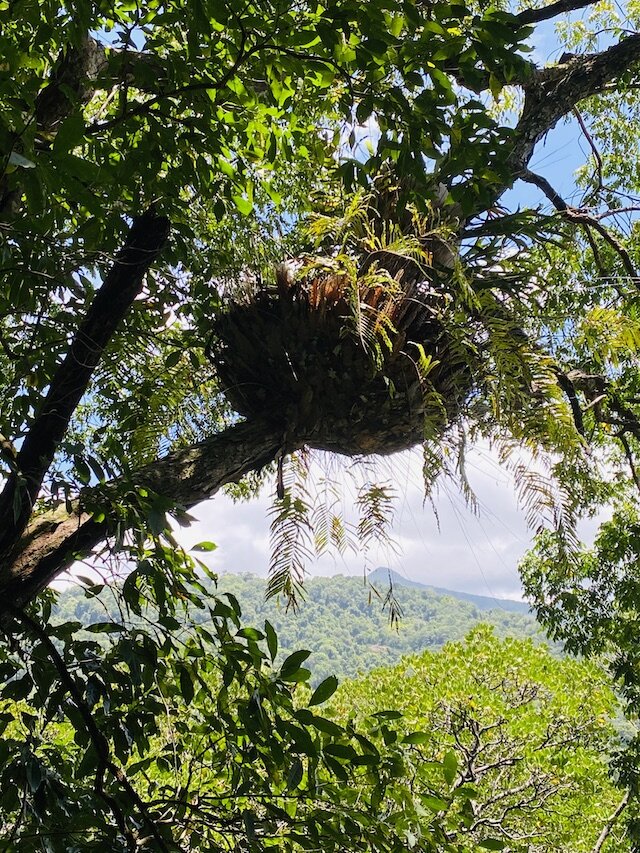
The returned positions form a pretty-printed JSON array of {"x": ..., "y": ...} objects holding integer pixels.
[
  {"x": 54, "y": 540},
  {"x": 123, "y": 283},
  {"x": 554, "y": 92}
]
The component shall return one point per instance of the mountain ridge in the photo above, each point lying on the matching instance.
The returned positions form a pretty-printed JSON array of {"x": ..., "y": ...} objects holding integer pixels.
[{"x": 382, "y": 574}]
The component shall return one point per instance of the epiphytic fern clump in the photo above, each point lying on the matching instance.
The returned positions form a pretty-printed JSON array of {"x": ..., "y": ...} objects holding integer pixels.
[{"x": 351, "y": 356}]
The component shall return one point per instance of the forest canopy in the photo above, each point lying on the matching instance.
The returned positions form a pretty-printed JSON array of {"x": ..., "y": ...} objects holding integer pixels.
[{"x": 232, "y": 231}]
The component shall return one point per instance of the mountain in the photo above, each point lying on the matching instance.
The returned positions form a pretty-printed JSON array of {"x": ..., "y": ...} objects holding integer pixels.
[
  {"x": 382, "y": 575},
  {"x": 347, "y": 626},
  {"x": 343, "y": 621}
]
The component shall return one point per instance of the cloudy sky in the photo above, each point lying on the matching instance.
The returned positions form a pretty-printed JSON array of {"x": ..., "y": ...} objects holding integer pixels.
[
  {"x": 477, "y": 554},
  {"x": 459, "y": 550}
]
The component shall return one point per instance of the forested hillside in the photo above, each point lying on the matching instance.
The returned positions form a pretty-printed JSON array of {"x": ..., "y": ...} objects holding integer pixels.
[
  {"x": 349, "y": 631},
  {"x": 345, "y": 623}
]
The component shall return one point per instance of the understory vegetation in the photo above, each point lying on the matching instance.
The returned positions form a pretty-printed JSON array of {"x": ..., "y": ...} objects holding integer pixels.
[{"x": 344, "y": 624}]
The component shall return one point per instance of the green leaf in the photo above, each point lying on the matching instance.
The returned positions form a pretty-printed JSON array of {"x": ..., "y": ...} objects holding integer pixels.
[
  {"x": 250, "y": 634},
  {"x": 172, "y": 359},
  {"x": 492, "y": 844},
  {"x": 34, "y": 774},
  {"x": 105, "y": 628},
  {"x": 70, "y": 134},
  {"x": 186, "y": 685},
  {"x": 450, "y": 766},
  {"x": 292, "y": 663},
  {"x": 324, "y": 691},
  {"x": 249, "y": 821},
  {"x": 204, "y": 546},
  {"x": 243, "y": 204},
  {"x": 83, "y": 472},
  {"x": 88, "y": 762},
  {"x": 436, "y": 804},
  {"x": 294, "y": 776},
  {"x": 297, "y": 676},
  {"x": 417, "y": 737},
  {"x": 272, "y": 639},
  {"x": 320, "y": 723}
]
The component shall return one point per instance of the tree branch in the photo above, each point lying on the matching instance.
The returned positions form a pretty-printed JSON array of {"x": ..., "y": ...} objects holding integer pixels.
[
  {"x": 561, "y": 7},
  {"x": 624, "y": 441},
  {"x": 72, "y": 81},
  {"x": 554, "y": 92},
  {"x": 606, "y": 830},
  {"x": 596, "y": 154},
  {"x": 584, "y": 219},
  {"x": 147, "y": 237},
  {"x": 186, "y": 477}
]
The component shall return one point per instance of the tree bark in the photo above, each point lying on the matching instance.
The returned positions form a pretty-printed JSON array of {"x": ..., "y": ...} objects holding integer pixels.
[
  {"x": 123, "y": 283},
  {"x": 554, "y": 92},
  {"x": 57, "y": 538}
]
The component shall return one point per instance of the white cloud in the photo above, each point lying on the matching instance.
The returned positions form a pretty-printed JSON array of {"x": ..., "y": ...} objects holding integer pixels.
[{"x": 458, "y": 550}]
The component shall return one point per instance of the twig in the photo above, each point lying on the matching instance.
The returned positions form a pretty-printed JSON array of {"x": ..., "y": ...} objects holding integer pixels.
[
  {"x": 627, "y": 451},
  {"x": 606, "y": 830},
  {"x": 594, "y": 149},
  {"x": 583, "y": 219},
  {"x": 615, "y": 211},
  {"x": 197, "y": 86},
  {"x": 569, "y": 389},
  {"x": 543, "y": 184}
]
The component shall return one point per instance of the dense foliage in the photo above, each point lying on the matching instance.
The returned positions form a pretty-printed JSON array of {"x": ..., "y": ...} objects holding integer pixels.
[
  {"x": 348, "y": 631},
  {"x": 156, "y": 162},
  {"x": 526, "y": 739},
  {"x": 218, "y": 744},
  {"x": 173, "y": 736}
]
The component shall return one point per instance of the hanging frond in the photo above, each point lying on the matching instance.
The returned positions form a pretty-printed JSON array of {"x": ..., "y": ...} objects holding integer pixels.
[
  {"x": 375, "y": 505},
  {"x": 291, "y": 536},
  {"x": 389, "y": 601},
  {"x": 547, "y": 502}
]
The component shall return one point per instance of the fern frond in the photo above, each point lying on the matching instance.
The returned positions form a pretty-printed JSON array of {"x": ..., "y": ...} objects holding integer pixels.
[
  {"x": 375, "y": 505},
  {"x": 291, "y": 537}
]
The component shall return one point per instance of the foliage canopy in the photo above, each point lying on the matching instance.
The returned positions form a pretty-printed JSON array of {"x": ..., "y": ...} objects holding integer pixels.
[{"x": 156, "y": 162}]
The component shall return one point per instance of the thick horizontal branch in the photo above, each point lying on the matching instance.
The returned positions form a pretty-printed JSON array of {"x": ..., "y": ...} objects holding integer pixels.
[
  {"x": 72, "y": 82},
  {"x": 186, "y": 477},
  {"x": 554, "y": 92},
  {"x": 123, "y": 283},
  {"x": 545, "y": 13}
]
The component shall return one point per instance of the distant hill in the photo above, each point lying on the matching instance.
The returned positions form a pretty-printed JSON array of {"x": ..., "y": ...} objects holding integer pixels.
[
  {"x": 348, "y": 631},
  {"x": 381, "y": 575},
  {"x": 344, "y": 623}
]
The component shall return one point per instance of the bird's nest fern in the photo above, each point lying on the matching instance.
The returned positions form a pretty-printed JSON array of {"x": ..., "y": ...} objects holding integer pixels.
[{"x": 348, "y": 354}]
